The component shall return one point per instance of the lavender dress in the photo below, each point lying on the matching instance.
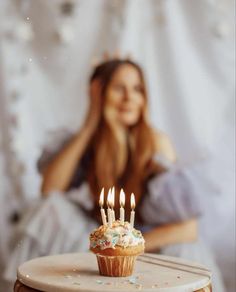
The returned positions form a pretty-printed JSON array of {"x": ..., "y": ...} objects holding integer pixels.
[{"x": 61, "y": 222}]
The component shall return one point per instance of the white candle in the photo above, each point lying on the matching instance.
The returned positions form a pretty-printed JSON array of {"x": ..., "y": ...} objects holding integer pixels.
[
  {"x": 122, "y": 204},
  {"x": 101, "y": 202},
  {"x": 132, "y": 214},
  {"x": 109, "y": 209},
  {"x": 113, "y": 203}
]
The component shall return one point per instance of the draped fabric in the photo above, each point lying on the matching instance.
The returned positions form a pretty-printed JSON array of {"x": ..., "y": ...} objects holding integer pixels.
[{"x": 186, "y": 49}]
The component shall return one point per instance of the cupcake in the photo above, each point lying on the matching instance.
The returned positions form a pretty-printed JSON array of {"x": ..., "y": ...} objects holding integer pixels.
[{"x": 116, "y": 248}]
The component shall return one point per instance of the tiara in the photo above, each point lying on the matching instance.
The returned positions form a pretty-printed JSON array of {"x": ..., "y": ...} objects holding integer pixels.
[{"x": 107, "y": 56}]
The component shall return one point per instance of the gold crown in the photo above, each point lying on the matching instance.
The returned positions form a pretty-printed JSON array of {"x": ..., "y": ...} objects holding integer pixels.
[{"x": 107, "y": 56}]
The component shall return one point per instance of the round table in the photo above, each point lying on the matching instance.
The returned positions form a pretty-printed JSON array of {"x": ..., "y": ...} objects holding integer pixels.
[{"x": 79, "y": 272}]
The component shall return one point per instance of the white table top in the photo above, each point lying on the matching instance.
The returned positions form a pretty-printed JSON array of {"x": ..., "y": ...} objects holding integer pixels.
[{"x": 79, "y": 272}]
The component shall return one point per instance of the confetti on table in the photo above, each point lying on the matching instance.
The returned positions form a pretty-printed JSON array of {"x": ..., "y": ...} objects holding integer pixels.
[
  {"x": 108, "y": 283},
  {"x": 99, "y": 282},
  {"x": 139, "y": 286},
  {"x": 132, "y": 280},
  {"x": 76, "y": 283}
]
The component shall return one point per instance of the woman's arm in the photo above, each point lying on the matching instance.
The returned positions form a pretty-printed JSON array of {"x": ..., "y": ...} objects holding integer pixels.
[
  {"x": 58, "y": 174},
  {"x": 171, "y": 234}
]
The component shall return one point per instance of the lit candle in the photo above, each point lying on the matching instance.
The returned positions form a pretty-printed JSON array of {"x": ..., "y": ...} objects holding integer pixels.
[
  {"x": 132, "y": 214},
  {"x": 122, "y": 204},
  {"x": 101, "y": 202},
  {"x": 109, "y": 215},
  {"x": 113, "y": 203}
]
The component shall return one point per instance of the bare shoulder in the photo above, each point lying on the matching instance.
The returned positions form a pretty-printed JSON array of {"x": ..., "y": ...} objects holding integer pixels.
[{"x": 164, "y": 146}]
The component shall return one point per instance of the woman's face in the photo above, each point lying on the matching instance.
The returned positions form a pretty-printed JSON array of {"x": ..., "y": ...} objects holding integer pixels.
[{"x": 124, "y": 96}]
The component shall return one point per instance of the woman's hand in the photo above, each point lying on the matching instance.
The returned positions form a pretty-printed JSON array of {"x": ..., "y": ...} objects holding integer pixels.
[
  {"x": 183, "y": 232},
  {"x": 58, "y": 174},
  {"x": 95, "y": 107}
]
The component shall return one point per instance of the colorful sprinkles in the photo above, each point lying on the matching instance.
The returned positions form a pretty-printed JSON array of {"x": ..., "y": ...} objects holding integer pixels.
[{"x": 120, "y": 234}]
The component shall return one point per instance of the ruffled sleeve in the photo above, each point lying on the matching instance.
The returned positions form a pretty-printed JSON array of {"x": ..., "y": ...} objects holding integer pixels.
[{"x": 172, "y": 196}]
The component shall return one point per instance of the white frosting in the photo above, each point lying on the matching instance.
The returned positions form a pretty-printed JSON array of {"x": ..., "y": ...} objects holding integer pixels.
[{"x": 118, "y": 235}]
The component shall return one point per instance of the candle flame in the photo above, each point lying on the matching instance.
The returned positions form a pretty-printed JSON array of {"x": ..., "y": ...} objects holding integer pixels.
[
  {"x": 122, "y": 198},
  {"x": 109, "y": 198},
  {"x": 112, "y": 197},
  {"x": 101, "y": 199},
  {"x": 132, "y": 201}
]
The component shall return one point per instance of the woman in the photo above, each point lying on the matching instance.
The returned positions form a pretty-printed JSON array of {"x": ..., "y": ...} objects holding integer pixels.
[
  {"x": 121, "y": 145},
  {"x": 115, "y": 147}
]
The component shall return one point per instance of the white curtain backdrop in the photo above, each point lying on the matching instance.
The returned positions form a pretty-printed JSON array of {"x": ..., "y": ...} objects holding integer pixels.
[{"x": 186, "y": 48}]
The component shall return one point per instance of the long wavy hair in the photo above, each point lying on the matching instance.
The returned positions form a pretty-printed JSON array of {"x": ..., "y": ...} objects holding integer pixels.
[{"x": 103, "y": 170}]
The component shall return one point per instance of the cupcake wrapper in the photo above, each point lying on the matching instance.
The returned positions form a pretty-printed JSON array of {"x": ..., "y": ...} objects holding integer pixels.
[{"x": 116, "y": 266}]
